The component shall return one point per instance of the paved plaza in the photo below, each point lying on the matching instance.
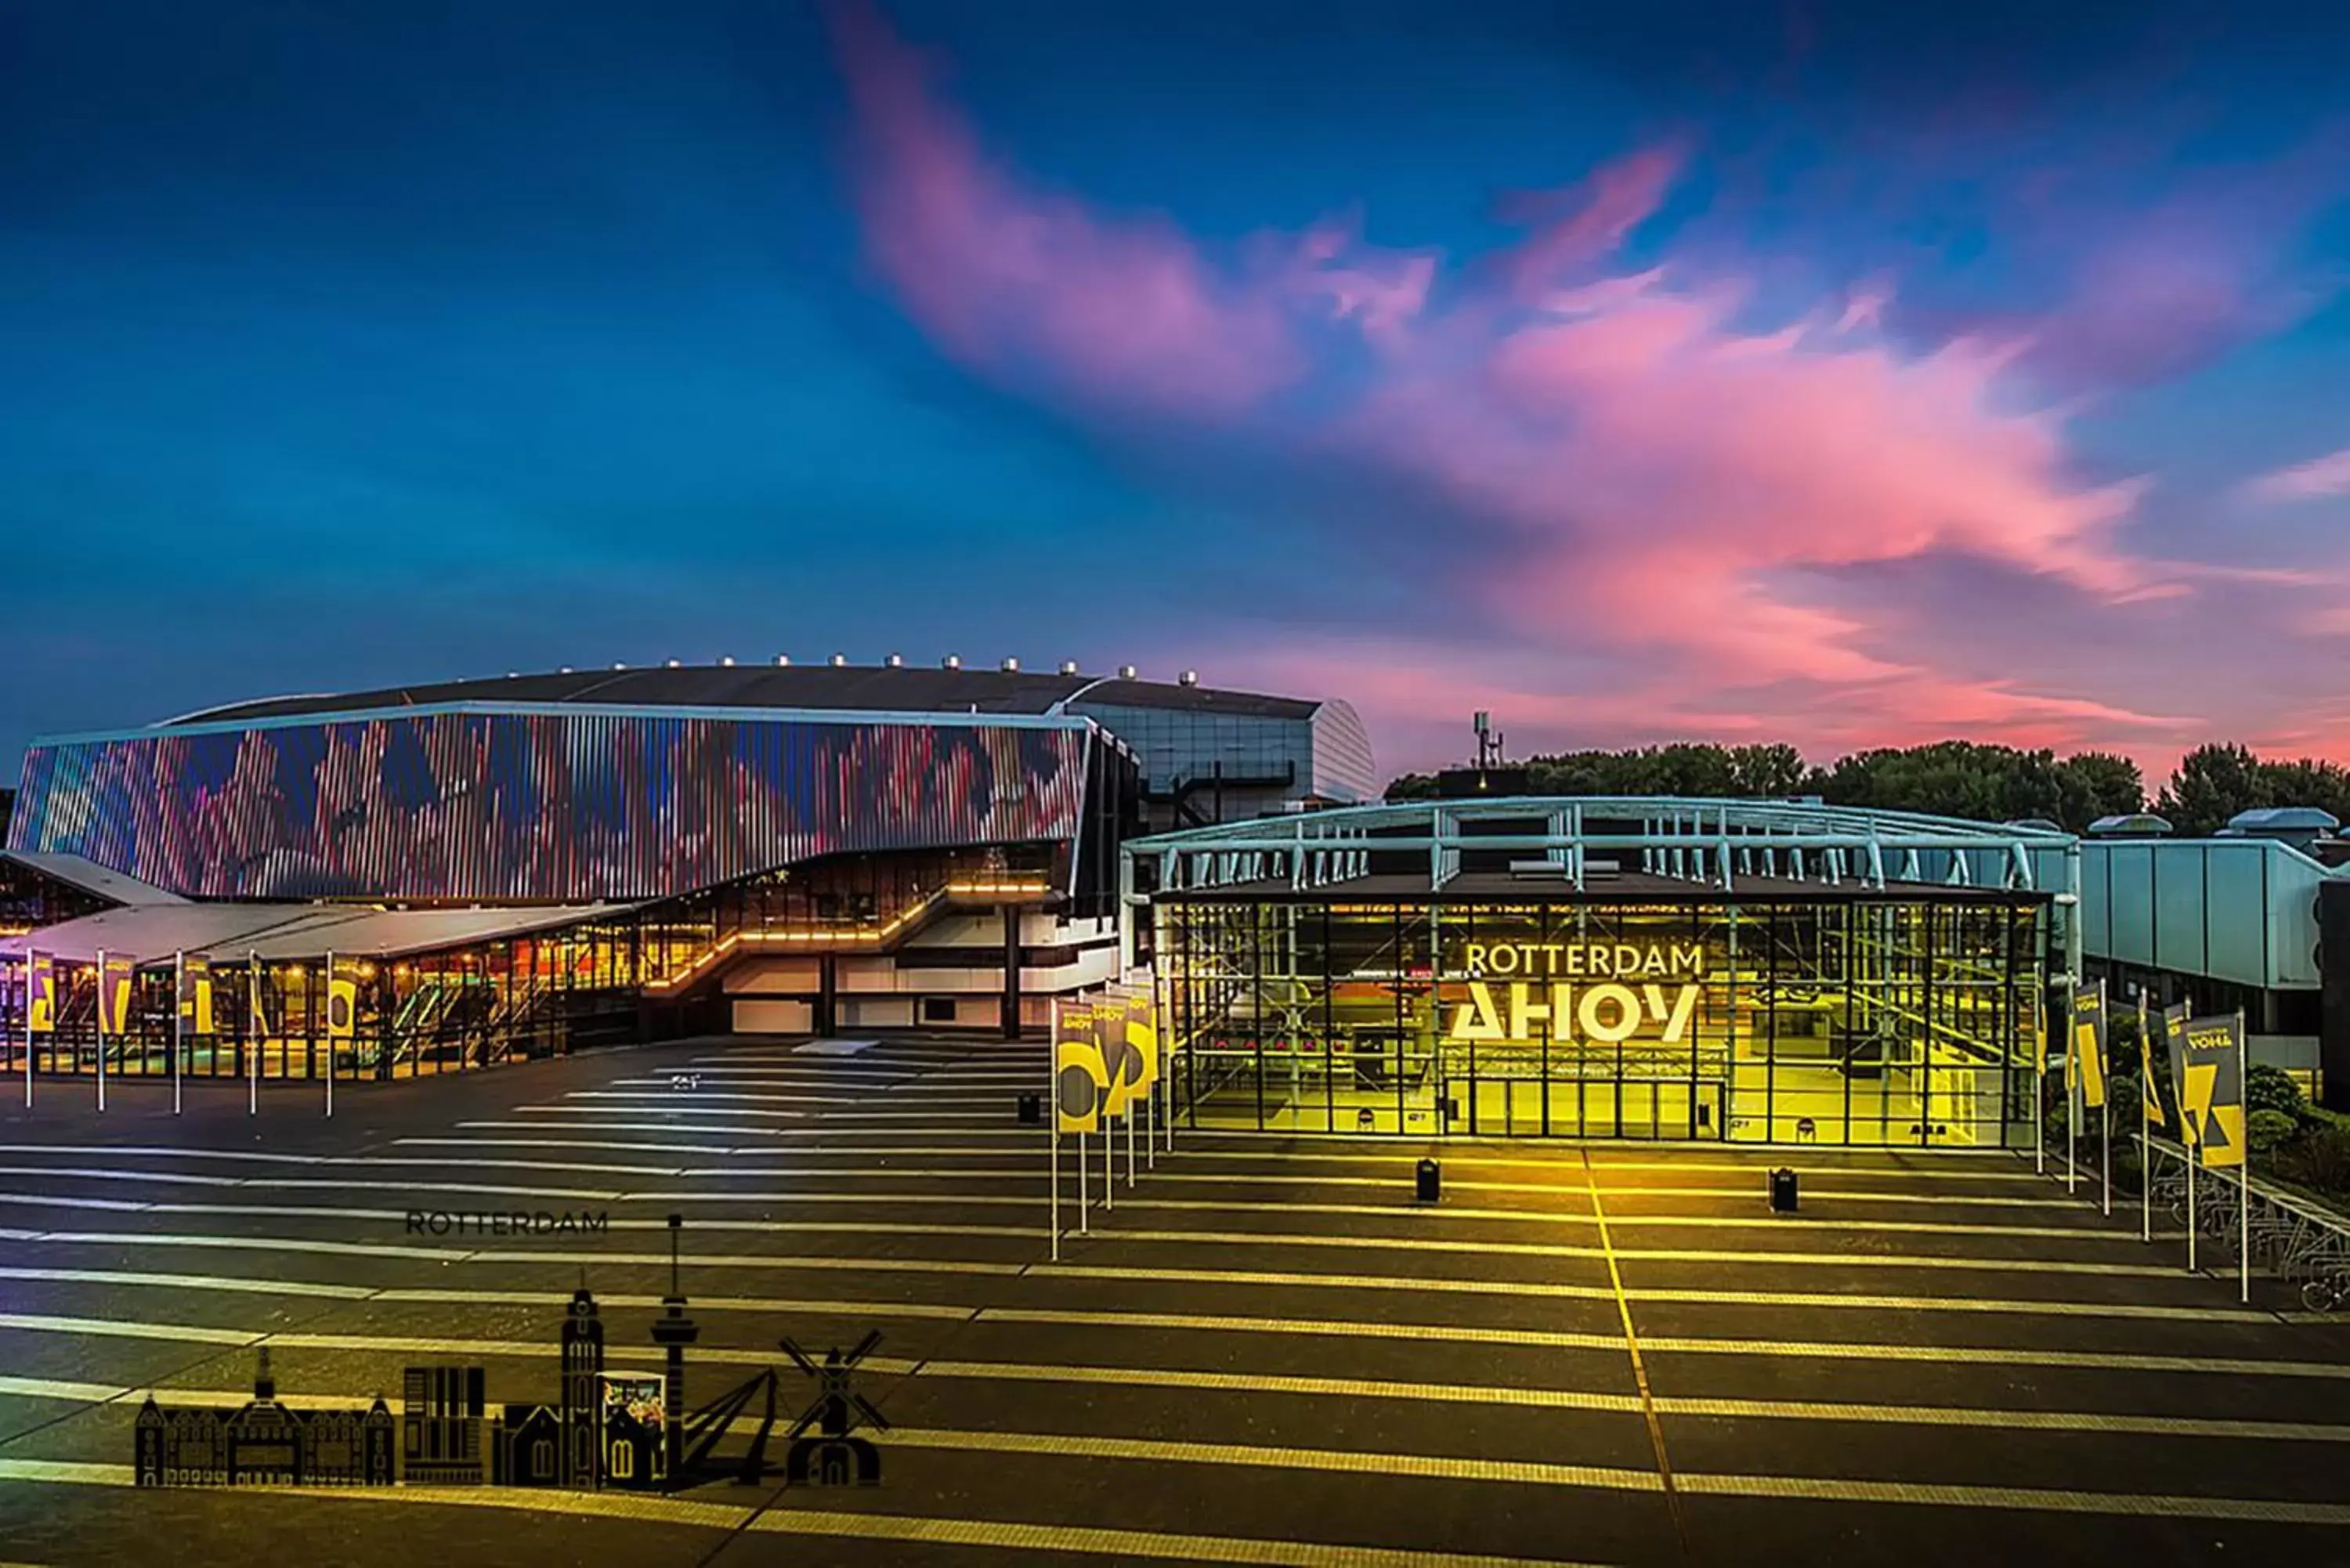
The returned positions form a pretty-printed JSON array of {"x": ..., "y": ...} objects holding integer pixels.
[{"x": 1267, "y": 1353}]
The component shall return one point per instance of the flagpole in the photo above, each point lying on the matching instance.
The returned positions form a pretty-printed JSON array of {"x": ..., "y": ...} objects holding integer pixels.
[
  {"x": 330, "y": 1032},
  {"x": 1109, "y": 1187},
  {"x": 2145, "y": 1126},
  {"x": 253, "y": 1033},
  {"x": 2191, "y": 1226},
  {"x": 2072, "y": 1091},
  {"x": 179, "y": 1023},
  {"x": 2244, "y": 1169},
  {"x": 28, "y": 1026},
  {"x": 2105, "y": 1098},
  {"x": 1052, "y": 1110},
  {"x": 101, "y": 1029},
  {"x": 2039, "y": 1081}
]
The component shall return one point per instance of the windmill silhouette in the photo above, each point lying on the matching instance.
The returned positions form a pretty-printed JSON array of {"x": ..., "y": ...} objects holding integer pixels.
[{"x": 834, "y": 1455}]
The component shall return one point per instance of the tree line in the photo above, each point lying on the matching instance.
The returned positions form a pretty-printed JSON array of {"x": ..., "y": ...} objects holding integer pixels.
[{"x": 1947, "y": 778}]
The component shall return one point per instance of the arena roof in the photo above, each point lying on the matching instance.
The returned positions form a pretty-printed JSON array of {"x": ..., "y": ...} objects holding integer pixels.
[
  {"x": 863, "y": 687},
  {"x": 1643, "y": 846}
]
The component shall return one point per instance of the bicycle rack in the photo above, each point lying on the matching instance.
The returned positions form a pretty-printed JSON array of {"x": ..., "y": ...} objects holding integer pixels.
[{"x": 2290, "y": 1236}]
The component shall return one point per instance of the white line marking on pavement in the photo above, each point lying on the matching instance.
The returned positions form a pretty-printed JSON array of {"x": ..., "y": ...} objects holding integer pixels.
[{"x": 355, "y": 1249}]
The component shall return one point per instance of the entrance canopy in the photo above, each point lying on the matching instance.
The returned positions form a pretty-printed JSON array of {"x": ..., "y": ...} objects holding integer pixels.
[{"x": 227, "y": 932}]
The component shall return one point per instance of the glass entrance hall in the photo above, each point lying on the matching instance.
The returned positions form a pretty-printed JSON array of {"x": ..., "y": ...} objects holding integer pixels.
[{"x": 1747, "y": 972}]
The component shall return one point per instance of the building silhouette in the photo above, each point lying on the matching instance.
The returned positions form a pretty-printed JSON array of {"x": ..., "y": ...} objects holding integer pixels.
[
  {"x": 263, "y": 1443},
  {"x": 582, "y": 1407},
  {"x": 526, "y": 1446},
  {"x": 440, "y": 1426}
]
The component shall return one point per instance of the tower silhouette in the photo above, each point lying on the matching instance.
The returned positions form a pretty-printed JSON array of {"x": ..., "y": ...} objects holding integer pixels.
[{"x": 583, "y": 1358}]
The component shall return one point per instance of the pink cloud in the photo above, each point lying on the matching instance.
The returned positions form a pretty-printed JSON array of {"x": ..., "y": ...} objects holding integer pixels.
[
  {"x": 1659, "y": 505},
  {"x": 1615, "y": 199},
  {"x": 1027, "y": 285},
  {"x": 2312, "y": 481}
]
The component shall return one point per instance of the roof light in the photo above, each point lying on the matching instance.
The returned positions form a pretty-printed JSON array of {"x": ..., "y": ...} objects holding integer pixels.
[
  {"x": 1189, "y": 677},
  {"x": 840, "y": 661},
  {"x": 1125, "y": 672},
  {"x": 951, "y": 662},
  {"x": 726, "y": 662},
  {"x": 1068, "y": 667},
  {"x": 1011, "y": 666},
  {"x": 783, "y": 662},
  {"x": 676, "y": 663},
  {"x": 894, "y": 661}
]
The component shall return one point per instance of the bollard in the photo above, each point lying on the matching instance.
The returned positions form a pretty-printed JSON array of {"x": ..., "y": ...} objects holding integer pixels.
[
  {"x": 1782, "y": 1192},
  {"x": 1431, "y": 1175},
  {"x": 1031, "y": 1110}
]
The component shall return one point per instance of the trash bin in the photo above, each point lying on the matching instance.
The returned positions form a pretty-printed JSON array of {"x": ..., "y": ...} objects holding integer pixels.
[
  {"x": 1782, "y": 1192},
  {"x": 1430, "y": 1176},
  {"x": 1031, "y": 1110}
]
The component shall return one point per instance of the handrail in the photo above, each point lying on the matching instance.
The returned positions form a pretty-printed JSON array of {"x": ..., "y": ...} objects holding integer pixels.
[{"x": 2292, "y": 1235}]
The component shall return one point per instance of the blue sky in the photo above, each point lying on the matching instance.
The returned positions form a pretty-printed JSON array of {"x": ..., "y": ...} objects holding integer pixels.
[{"x": 1720, "y": 372}]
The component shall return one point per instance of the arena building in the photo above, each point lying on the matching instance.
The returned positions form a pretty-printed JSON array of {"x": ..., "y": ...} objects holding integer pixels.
[
  {"x": 518, "y": 867},
  {"x": 1625, "y": 968}
]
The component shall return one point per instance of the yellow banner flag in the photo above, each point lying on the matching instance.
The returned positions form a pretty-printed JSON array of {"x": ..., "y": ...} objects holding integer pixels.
[
  {"x": 1080, "y": 1079},
  {"x": 2038, "y": 1031},
  {"x": 41, "y": 985},
  {"x": 197, "y": 994},
  {"x": 342, "y": 999},
  {"x": 1142, "y": 1034},
  {"x": 2211, "y": 1092},
  {"x": 2089, "y": 1045},
  {"x": 113, "y": 996}
]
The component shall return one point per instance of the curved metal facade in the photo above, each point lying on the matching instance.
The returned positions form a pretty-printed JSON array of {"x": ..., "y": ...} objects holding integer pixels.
[{"x": 566, "y": 805}]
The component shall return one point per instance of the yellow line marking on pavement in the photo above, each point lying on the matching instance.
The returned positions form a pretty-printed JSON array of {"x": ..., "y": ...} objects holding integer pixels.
[
  {"x": 1647, "y": 1401},
  {"x": 1118, "y": 1543},
  {"x": 1538, "y": 1338},
  {"x": 829, "y": 1307},
  {"x": 1340, "y": 1459},
  {"x": 2026, "y": 1420},
  {"x": 604, "y": 1504},
  {"x": 1440, "y": 1285},
  {"x": 1814, "y": 1193},
  {"x": 1255, "y": 1383},
  {"x": 1454, "y": 1334},
  {"x": 1939, "y": 1165},
  {"x": 2088, "y": 1230},
  {"x": 1555, "y": 1250},
  {"x": 1979, "y": 1356},
  {"x": 2169, "y": 1506}
]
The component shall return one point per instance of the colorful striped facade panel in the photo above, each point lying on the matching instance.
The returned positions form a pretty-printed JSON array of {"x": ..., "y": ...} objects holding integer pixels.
[{"x": 564, "y": 806}]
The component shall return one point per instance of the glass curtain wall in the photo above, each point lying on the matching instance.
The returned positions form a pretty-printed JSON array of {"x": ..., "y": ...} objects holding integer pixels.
[{"x": 1832, "y": 1021}]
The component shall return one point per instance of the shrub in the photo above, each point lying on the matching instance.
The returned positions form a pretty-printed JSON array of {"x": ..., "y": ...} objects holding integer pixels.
[
  {"x": 2269, "y": 1130},
  {"x": 2271, "y": 1088},
  {"x": 2319, "y": 1159}
]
